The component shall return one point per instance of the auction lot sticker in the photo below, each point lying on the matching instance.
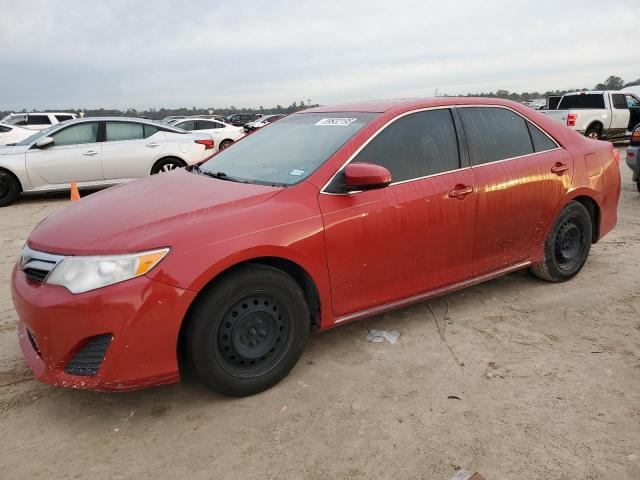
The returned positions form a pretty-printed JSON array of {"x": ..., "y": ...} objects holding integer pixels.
[{"x": 336, "y": 122}]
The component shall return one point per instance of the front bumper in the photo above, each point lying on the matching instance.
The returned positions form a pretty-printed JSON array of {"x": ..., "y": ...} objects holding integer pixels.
[
  {"x": 633, "y": 162},
  {"x": 142, "y": 316}
]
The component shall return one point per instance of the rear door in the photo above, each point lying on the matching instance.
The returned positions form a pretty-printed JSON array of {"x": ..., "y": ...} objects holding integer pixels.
[
  {"x": 620, "y": 114},
  {"x": 522, "y": 175},
  {"x": 414, "y": 235},
  {"x": 75, "y": 156},
  {"x": 213, "y": 128},
  {"x": 130, "y": 149}
]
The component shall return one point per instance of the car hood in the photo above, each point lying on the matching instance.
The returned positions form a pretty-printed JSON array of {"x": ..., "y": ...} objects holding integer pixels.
[
  {"x": 9, "y": 149},
  {"x": 178, "y": 209}
]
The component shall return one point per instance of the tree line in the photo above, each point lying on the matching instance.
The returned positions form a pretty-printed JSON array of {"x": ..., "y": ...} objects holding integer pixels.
[{"x": 612, "y": 82}]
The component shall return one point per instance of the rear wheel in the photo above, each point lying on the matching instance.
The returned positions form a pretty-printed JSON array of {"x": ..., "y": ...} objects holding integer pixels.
[
  {"x": 594, "y": 132},
  {"x": 247, "y": 331},
  {"x": 225, "y": 143},
  {"x": 9, "y": 188},
  {"x": 166, "y": 165},
  {"x": 567, "y": 247}
]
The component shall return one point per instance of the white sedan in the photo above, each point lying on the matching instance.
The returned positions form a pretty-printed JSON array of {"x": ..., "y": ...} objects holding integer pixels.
[
  {"x": 223, "y": 134},
  {"x": 96, "y": 152},
  {"x": 13, "y": 134}
]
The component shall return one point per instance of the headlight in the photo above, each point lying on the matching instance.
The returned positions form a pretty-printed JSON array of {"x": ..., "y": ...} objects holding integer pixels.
[{"x": 81, "y": 274}]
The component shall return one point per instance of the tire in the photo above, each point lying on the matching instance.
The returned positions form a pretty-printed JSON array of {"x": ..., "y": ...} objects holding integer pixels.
[
  {"x": 9, "y": 188},
  {"x": 567, "y": 246},
  {"x": 247, "y": 331},
  {"x": 224, "y": 144},
  {"x": 593, "y": 132},
  {"x": 638, "y": 186},
  {"x": 166, "y": 165}
]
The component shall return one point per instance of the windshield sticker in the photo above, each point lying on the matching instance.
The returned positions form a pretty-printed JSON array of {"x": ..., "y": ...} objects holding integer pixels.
[
  {"x": 296, "y": 173},
  {"x": 336, "y": 122}
]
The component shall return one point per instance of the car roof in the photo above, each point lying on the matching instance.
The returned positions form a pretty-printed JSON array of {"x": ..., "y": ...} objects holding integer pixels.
[{"x": 406, "y": 104}]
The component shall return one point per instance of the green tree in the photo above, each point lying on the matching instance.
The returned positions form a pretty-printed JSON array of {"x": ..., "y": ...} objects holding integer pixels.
[{"x": 611, "y": 83}]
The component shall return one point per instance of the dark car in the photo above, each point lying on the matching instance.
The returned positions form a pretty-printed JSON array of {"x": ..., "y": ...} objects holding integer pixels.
[{"x": 240, "y": 119}]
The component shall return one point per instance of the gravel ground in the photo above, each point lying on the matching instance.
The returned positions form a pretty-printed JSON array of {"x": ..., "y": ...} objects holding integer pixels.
[{"x": 541, "y": 381}]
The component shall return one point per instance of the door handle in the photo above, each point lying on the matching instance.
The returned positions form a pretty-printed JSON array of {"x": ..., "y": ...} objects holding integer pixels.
[
  {"x": 460, "y": 191},
  {"x": 559, "y": 168},
  {"x": 152, "y": 145},
  {"x": 90, "y": 153}
]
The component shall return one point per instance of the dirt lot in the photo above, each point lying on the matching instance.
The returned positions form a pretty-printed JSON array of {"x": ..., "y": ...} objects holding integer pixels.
[{"x": 550, "y": 389}]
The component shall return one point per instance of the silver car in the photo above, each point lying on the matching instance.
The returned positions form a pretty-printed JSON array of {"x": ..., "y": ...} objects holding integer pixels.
[{"x": 96, "y": 152}]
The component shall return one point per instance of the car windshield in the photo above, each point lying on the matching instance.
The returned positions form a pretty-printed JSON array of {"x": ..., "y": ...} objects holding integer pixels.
[
  {"x": 37, "y": 134},
  {"x": 289, "y": 150}
]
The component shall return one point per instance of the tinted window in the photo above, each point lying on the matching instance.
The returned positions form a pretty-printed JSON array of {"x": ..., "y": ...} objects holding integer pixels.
[
  {"x": 38, "y": 120},
  {"x": 124, "y": 131},
  {"x": 206, "y": 125},
  {"x": 415, "y": 146},
  {"x": 186, "y": 125},
  {"x": 62, "y": 118},
  {"x": 77, "y": 134},
  {"x": 587, "y": 100},
  {"x": 619, "y": 101},
  {"x": 149, "y": 130},
  {"x": 289, "y": 150},
  {"x": 541, "y": 141},
  {"x": 4, "y": 129},
  {"x": 495, "y": 134}
]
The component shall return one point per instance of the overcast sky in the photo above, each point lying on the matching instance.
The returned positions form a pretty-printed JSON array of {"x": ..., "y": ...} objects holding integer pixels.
[{"x": 144, "y": 53}]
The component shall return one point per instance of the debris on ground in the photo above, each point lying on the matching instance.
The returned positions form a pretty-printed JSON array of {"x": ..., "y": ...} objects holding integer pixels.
[
  {"x": 379, "y": 336},
  {"x": 467, "y": 475}
]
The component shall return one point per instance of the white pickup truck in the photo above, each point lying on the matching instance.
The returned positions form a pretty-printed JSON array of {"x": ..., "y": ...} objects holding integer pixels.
[{"x": 598, "y": 115}]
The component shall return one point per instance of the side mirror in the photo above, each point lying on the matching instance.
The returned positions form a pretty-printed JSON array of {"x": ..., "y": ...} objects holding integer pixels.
[
  {"x": 366, "y": 176},
  {"x": 44, "y": 142}
]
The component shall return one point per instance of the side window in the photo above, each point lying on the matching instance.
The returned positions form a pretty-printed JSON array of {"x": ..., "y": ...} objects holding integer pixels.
[
  {"x": 632, "y": 101},
  {"x": 38, "y": 120},
  {"x": 4, "y": 129},
  {"x": 186, "y": 125},
  {"x": 62, "y": 118},
  {"x": 541, "y": 141},
  {"x": 149, "y": 130},
  {"x": 495, "y": 134},
  {"x": 124, "y": 131},
  {"x": 77, "y": 134},
  {"x": 415, "y": 145},
  {"x": 206, "y": 125},
  {"x": 619, "y": 101}
]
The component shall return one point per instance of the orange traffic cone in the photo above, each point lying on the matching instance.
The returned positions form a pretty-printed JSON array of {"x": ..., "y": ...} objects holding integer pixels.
[{"x": 75, "y": 194}]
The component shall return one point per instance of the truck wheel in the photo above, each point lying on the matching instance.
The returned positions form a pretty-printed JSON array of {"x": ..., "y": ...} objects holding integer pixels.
[
  {"x": 593, "y": 133},
  {"x": 247, "y": 331},
  {"x": 567, "y": 246}
]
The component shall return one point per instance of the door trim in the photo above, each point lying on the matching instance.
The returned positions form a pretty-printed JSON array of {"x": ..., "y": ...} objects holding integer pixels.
[{"x": 430, "y": 294}]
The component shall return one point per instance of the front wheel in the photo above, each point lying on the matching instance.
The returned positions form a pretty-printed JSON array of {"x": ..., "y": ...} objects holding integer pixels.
[
  {"x": 247, "y": 331},
  {"x": 9, "y": 188},
  {"x": 567, "y": 246}
]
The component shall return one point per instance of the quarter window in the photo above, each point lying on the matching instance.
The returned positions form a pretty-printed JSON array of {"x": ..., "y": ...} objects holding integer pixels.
[
  {"x": 63, "y": 118},
  {"x": 149, "y": 130},
  {"x": 77, "y": 134},
  {"x": 495, "y": 134},
  {"x": 206, "y": 125},
  {"x": 4, "y": 129},
  {"x": 416, "y": 145},
  {"x": 186, "y": 125},
  {"x": 541, "y": 141},
  {"x": 118, "y": 131}
]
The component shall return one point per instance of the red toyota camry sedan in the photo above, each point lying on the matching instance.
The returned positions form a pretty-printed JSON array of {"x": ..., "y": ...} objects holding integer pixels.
[{"x": 327, "y": 216}]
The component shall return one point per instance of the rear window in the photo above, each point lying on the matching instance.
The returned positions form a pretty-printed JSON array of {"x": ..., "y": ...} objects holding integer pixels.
[{"x": 587, "y": 100}]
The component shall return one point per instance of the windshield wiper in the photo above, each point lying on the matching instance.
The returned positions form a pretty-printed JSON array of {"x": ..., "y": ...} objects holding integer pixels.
[{"x": 219, "y": 175}]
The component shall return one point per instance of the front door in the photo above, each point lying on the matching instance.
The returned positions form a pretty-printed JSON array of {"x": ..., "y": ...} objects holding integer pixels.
[
  {"x": 75, "y": 156},
  {"x": 414, "y": 235},
  {"x": 522, "y": 176}
]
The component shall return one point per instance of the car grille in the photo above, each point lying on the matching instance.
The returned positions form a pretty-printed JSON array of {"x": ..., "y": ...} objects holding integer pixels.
[
  {"x": 37, "y": 265},
  {"x": 88, "y": 360}
]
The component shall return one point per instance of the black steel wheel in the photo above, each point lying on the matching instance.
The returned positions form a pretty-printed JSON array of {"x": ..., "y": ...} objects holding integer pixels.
[
  {"x": 246, "y": 331},
  {"x": 567, "y": 246},
  {"x": 9, "y": 188}
]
